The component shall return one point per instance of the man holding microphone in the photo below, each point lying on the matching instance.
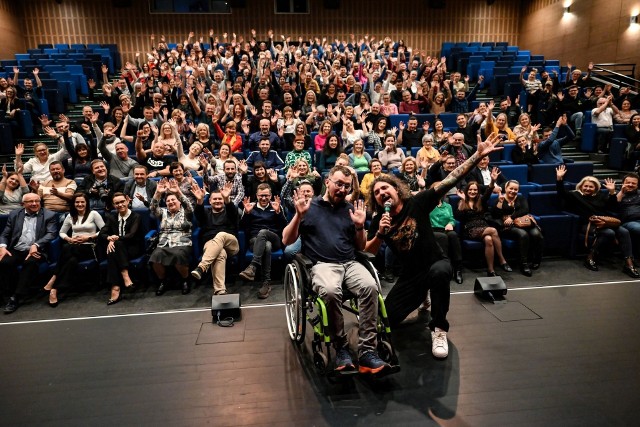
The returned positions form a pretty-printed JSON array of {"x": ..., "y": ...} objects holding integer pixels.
[{"x": 402, "y": 222}]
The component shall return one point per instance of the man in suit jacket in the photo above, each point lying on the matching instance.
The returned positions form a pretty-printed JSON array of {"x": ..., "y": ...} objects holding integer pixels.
[
  {"x": 25, "y": 241},
  {"x": 141, "y": 189},
  {"x": 482, "y": 175}
]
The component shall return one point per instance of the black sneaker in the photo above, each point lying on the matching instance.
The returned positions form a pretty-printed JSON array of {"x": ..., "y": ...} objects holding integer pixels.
[
  {"x": 370, "y": 363},
  {"x": 186, "y": 287},
  {"x": 631, "y": 272},
  {"x": 344, "y": 363},
  {"x": 11, "y": 306},
  {"x": 197, "y": 273}
]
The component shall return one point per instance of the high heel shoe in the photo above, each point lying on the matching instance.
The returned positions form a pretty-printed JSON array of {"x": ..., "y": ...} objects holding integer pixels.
[
  {"x": 53, "y": 298},
  {"x": 117, "y": 300},
  {"x": 506, "y": 267}
]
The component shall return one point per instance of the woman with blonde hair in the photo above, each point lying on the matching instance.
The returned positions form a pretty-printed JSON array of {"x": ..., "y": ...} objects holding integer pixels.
[
  {"x": 202, "y": 134},
  {"x": 586, "y": 201}
]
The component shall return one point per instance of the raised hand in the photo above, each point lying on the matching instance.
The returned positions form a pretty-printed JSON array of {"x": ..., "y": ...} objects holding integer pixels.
[
  {"x": 248, "y": 206},
  {"x": 197, "y": 191},
  {"x": 301, "y": 203},
  {"x": 610, "y": 185},
  {"x": 275, "y": 204},
  {"x": 489, "y": 145},
  {"x": 49, "y": 131},
  {"x": 358, "y": 213},
  {"x": 44, "y": 120},
  {"x": 495, "y": 172},
  {"x": 226, "y": 189},
  {"x": 560, "y": 172},
  {"x": 19, "y": 150}
]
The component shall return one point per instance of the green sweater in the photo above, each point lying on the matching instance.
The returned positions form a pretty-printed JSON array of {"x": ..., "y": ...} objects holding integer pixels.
[{"x": 442, "y": 215}]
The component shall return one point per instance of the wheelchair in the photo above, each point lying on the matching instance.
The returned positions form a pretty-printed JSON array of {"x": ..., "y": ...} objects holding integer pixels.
[{"x": 303, "y": 305}]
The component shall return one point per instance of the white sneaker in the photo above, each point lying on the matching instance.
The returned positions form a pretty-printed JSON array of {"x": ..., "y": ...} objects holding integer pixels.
[{"x": 439, "y": 344}]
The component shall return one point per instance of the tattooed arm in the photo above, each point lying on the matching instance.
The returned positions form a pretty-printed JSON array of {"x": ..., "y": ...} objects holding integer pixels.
[{"x": 484, "y": 149}]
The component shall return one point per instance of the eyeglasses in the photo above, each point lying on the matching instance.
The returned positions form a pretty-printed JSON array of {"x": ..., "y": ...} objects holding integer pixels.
[{"x": 341, "y": 185}]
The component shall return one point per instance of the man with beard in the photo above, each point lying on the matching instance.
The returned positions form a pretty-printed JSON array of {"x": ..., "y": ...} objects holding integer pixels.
[
  {"x": 219, "y": 231},
  {"x": 230, "y": 174},
  {"x": 406, "y": 228},
  {"x": 57, "y": 192},
  {"x": 332, "y": 230},
  {"x": 141, "y": 189}
]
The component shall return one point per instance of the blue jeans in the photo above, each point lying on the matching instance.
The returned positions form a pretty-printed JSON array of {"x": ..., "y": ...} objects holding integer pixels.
[
  {"x": 576, "y": 119},
  {"x": 634, "y": 232},
  {"x": 291, "y": 250}
]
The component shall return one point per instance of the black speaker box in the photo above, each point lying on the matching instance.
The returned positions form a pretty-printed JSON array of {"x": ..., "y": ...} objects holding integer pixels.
[
  {"x": 225, "y": 307},
  {"x": 490, "y": 288},
  {"x": 332, "y": 4},
  {"x": 121, "y": 3}
]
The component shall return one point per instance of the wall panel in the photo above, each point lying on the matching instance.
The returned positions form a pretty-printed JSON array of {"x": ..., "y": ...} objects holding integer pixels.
[
  {"x": 78, "y": 21},
  {"x": 11, "y": 28},
  {"x": 595, "y": 30}
]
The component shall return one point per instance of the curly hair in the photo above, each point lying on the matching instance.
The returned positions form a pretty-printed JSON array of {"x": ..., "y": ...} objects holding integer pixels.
[{"x": 401, "y": 188}]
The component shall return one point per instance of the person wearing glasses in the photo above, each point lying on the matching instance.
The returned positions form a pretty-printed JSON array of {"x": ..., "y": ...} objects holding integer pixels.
[
  {"x": 124, "y": 234},
  {"x": 332, "y": 230},
  {"x": 25, "y": 242},
  {"x": 263, "y": 222}
]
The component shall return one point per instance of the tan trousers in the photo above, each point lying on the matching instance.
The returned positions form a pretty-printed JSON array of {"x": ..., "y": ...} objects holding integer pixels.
[{"x": 216, "y": 252}]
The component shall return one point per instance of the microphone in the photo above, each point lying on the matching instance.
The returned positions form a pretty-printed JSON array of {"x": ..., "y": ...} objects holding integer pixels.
[{"x": 387, "y": 209}]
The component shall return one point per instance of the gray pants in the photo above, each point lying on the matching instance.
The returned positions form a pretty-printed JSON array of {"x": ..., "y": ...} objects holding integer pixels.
[{"x": 328, "y": 280}]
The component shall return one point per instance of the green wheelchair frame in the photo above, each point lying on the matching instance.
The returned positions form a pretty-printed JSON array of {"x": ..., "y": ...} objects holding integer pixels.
[{"x": 302, "y": 305}]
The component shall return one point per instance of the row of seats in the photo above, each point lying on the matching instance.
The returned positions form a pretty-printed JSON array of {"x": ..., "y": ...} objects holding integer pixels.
[
  {"x": 560, "y": 228},
  {"x": 64, "y": 71}
]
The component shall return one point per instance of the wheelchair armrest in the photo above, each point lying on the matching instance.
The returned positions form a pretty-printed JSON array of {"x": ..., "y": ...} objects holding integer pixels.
[
  {"x": 365, "y": 256},
  {"x": 306, "y": 262}
]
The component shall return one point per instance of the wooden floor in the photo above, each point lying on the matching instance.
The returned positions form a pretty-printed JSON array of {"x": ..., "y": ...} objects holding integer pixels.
[{"x": 561, "y": 356}]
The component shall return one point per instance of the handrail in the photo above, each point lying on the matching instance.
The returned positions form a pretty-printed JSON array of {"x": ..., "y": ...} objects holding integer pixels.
[{"x": 615, "y": 77}]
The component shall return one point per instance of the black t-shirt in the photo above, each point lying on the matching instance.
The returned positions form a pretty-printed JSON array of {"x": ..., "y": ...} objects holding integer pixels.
[
  {"x": 412, "y": 139},
  {"x": 157, "y": 163},
  {"x": 411, "y": 237}
]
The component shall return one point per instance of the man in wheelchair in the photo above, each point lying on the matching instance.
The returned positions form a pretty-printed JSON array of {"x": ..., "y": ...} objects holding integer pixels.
[{"x": 332, "y": 230}]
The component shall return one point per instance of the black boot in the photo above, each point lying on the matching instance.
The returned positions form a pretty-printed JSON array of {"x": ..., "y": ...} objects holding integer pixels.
[{"x": 524, "y": 269}]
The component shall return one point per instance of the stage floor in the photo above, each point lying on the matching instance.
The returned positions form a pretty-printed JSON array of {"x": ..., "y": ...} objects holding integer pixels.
[{"x": 560, "y": 355}]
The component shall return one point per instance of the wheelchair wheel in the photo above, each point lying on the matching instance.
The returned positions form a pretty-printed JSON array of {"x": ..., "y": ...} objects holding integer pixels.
[
  {"x": 295, "y": 304},
  {"x": 386, "y": 353},
  {"x": 320, "y": 361}
]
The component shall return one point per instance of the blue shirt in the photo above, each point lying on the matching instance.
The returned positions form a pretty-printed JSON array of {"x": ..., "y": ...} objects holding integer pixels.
[
  {"x": 28, "y": 235},
  {"x": 328, "y": 233}
]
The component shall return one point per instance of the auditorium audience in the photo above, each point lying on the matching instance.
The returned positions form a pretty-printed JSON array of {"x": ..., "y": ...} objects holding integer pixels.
[{"x": 266, "y": 99}]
